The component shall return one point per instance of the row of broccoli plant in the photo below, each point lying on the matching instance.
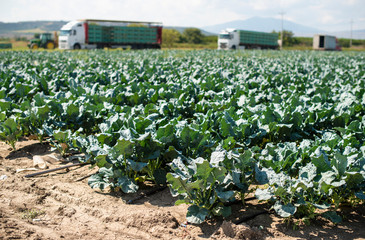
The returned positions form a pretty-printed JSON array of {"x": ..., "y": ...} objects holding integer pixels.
[
  {"x": 208, "y": 127},
  {"x": 296, "y": 180},
  {"x": 295, "y": 177}
]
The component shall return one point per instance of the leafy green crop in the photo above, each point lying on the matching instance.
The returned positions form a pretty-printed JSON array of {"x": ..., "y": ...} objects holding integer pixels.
[
  {"x": 207, "y": 123},
  {"x": 10, "y": 132},
  {"x": 202, "y": 185}
]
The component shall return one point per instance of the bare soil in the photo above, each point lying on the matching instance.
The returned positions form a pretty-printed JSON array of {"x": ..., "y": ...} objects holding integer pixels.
[{"x": 58, "y": 205}]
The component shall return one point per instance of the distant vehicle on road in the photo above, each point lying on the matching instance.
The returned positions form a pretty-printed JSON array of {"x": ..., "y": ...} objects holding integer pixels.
[
  {"x": 91, "y": 34},
  {"x": 242, "y": 39},
  {"x": 45, "y": 40}
]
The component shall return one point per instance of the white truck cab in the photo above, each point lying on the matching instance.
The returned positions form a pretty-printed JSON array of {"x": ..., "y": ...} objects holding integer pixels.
[
  {"x": 229, "y": 39},
  {"x": 72, "y": 36}
]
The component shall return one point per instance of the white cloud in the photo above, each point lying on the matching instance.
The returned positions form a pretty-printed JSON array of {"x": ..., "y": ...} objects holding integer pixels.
[
  {"x": 327, "y": 19},
  {"x": 325, "y": 14},
  {"x": 352, "y": 2}
]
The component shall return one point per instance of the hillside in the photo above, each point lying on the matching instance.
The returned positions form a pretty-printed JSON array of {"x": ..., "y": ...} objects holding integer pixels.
[
  {"x": 181, "y": 30},
  {"x": 270, "y": 24},
  {"x": 28, "y": 28},
  {"x": 264, "y": 25}
]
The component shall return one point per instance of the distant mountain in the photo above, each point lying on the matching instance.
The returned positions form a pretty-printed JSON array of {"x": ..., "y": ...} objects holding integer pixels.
[
  {"x": 273, "y": 24},
  {"x": 265, "y": 25},
  {"x": 29, "y": 27},
  {"x": 181, "y": 30},
  {"x": 356, "y": 34}
]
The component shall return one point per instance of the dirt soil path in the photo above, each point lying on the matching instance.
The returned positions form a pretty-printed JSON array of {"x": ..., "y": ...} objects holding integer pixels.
[{"x": 57, "y": 206}]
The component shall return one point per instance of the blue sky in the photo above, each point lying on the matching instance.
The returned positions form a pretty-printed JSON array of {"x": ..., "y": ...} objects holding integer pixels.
[{"x": 330, "y": 15}]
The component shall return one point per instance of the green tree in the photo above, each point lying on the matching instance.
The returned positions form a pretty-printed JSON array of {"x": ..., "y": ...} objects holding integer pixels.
[
  {"x": 170, "y": 37},
  {"x": 193, "y": 35},
  {"x": 211, "y": 39},
  {"x": 288, "y": 38}
]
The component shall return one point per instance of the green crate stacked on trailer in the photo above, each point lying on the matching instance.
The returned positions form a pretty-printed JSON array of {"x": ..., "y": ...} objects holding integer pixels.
[
  {"x": 240, "y": 39},
  {"x": 92, "y": 33},
  {"x": 5, "y": 45},
  {"x": 134, "y": 34},
  {"x": 95, "y": 33},
  {"x": 122, "y": 34},
  {"x": 107, "y": 36},
  {"x": 259, "y": 39}
]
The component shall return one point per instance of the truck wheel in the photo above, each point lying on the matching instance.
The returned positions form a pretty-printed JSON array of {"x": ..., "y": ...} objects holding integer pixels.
[
  {"x": 234, "y": 47},
  {"x": 34, "y": 46},
  {"x": 50, "y": 45},
  {"x": 77, "y": 46}
]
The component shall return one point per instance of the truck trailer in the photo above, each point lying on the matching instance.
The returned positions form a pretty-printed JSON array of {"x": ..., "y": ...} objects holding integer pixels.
[
  {"x": 92, "y": 34},
  {"x": 242, "y": 39},
  {"x": 325, "y": 42}
]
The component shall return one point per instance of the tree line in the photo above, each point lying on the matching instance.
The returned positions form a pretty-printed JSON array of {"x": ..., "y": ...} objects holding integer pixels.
[
  {"x": 195, "y": 36},
  {"x": 189, "y": 35},
  {"x": 171, "y": 37}
]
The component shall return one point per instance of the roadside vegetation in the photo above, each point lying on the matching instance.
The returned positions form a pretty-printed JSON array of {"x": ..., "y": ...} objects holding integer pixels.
[{"x": 193, "y": 38}]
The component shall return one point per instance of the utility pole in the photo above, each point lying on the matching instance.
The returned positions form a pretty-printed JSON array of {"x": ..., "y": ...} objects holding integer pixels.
[
  {"x": 351, "y": 33},
  {"x": 282, "y": 30}
]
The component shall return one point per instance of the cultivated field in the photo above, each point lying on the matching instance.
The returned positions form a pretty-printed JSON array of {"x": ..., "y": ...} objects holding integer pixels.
[{"x": 247, "y": 144}]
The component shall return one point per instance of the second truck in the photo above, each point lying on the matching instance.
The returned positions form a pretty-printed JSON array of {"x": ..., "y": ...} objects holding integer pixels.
[
  {"x": 242, "y": 39},
  {"x": 91, "y": 34}
]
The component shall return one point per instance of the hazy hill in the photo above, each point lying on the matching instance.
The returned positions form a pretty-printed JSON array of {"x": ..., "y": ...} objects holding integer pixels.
[
  {"x": 29, "y": 27},
  {"x": 269, "y": 24},
  {"x": 264, "y": 25},
  {"x": 356, "y": 34},
  {"x": 181, "y": 30}
]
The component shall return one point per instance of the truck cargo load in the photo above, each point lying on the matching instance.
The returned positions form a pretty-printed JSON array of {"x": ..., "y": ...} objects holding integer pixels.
[
  {"x": 90, "y": 34},
  {"x": 5, "y": 45},
  {"x": 235, "y": 39}
]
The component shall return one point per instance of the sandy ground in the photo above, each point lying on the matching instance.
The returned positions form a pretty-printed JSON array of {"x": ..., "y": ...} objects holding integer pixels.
[{"x": 58, "y": 205}]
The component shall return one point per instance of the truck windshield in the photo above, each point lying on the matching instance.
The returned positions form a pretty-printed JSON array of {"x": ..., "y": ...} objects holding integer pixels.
[
  {"x": 65, "y": 32},
  {"x": 224, "y": 36}
]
